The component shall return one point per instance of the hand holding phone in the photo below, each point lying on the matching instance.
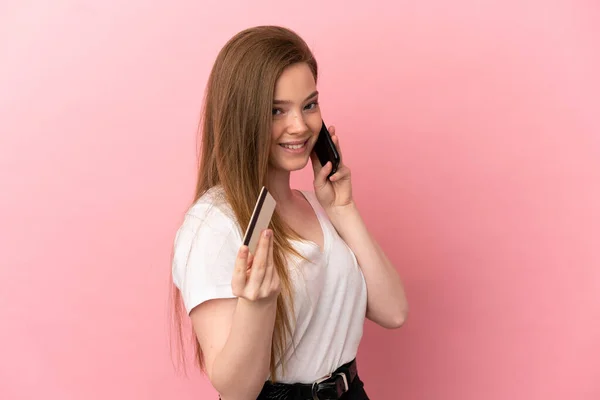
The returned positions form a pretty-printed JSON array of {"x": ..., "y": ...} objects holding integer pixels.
[{"x": 333, "y": 187}]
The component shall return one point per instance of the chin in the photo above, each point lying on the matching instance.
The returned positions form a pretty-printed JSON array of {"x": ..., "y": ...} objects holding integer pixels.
[
  {"x": 296, "y": 167},
  {"x": 291, "y": 166}
]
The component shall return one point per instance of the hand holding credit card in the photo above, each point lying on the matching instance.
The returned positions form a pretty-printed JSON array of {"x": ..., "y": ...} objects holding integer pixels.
[
  {"x": 255, "y": 277},
  {"x": 261, "y": 217}
]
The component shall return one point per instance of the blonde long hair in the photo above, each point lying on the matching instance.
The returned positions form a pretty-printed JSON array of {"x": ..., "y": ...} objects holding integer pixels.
[{"x": 236, "y": 139}]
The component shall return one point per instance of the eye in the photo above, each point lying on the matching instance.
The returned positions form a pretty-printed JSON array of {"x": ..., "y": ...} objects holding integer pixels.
[
  {"x": 277, "y": 111},
  {"x": 311, "y": 106}
]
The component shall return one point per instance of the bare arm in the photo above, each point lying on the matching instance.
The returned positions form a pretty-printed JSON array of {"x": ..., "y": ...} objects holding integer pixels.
[
  {"x": 386, "y": 300},
  {"x": 235, "y": 334}
]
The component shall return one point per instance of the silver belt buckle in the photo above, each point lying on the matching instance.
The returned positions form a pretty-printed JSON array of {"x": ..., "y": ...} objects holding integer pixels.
[
  {"x": 343, "y": 375},
  {"x": 323, "y": 379},
  {"x": 316, "y": 383}
]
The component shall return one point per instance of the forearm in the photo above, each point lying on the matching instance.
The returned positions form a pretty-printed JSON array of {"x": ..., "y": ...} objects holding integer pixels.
[
  {"x": 240, "y": 369},
  {"x": 386, "y": 300}
]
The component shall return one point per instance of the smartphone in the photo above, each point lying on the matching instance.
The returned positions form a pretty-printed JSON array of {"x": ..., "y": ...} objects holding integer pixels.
[
  {"x": 261, "y": 217},
  {"x": 326, "y": 150}
]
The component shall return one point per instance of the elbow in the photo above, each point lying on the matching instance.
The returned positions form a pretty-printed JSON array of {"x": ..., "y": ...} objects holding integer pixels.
[
  {"x": 238, "y": 390},
  {"x": 243, "y": 396},
  {"x": 398, "y": 319},
  {"x": 390, "y": 320},
  {"x": 237, "y": 394},
  {"x": 231, "y": 388}
]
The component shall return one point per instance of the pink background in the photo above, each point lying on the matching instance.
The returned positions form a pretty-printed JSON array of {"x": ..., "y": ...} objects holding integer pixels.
[{"x": 473, "y": 132}]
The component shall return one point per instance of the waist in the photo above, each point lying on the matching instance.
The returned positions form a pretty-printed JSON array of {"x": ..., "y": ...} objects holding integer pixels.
[{"x": 330, "y": 387}]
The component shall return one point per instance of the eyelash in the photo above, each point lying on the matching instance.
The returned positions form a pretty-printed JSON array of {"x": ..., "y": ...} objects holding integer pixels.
[{"x": 314, "y": 103}]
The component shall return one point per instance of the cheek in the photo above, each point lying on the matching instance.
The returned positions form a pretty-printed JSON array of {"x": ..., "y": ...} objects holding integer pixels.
[
  {"x": 276, "y": 132},
  {"x": 315, "y": 125},
  {"x": 314, "y": 121}
]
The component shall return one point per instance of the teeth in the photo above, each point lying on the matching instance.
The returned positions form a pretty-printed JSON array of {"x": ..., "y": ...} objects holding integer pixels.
[{"x": 293, "y": 146}]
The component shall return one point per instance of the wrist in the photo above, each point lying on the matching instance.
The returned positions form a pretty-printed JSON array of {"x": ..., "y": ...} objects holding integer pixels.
[
  {"x": 263, "y": 305},
  {"x": 341, "y": 215}
]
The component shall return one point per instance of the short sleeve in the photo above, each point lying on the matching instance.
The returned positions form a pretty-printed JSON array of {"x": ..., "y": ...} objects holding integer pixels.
[{"x": 205, "y": 250}]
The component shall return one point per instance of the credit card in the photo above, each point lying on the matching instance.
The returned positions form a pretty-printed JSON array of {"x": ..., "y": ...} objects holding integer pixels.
[{"x": 261, "y": 217}]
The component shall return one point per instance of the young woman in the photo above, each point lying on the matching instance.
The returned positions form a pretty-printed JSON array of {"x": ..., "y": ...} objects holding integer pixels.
[{"x": 285, "y": 322}]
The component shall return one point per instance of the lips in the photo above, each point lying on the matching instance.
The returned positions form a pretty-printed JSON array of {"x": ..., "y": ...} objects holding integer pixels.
[{"x": 294, "y": 145}]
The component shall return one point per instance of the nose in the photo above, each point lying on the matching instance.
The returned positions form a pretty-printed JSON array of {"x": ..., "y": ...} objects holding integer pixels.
[{"x": 296, "y": 123}]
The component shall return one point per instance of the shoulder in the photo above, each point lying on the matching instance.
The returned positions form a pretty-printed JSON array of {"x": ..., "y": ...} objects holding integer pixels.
[
  {"x": 205, "y": 249},
  {"x": 208, "y": 225},
  {"x": 210, "y": 212}
]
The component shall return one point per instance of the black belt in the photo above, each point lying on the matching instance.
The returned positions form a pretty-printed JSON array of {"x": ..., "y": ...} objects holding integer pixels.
[{"x": 330, "y": 387}]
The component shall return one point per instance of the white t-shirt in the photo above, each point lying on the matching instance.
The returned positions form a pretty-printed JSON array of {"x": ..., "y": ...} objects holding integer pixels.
[{"x": 330, "y": 294}]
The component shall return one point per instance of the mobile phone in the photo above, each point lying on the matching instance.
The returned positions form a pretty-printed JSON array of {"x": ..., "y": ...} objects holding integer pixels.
[
  {"x": 326, "y": 150},
  {"x": 261, "y": 217}
]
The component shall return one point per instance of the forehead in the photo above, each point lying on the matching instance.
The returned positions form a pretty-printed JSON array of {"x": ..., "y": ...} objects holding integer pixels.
[{"x": 295, "y": 83}]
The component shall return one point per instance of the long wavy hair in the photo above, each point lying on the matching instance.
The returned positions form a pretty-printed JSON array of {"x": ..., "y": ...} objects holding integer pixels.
[{"x": 236, "y": 139}]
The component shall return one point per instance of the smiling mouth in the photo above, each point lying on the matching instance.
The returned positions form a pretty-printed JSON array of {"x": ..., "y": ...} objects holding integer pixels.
[{"x": 294, "y": 146}]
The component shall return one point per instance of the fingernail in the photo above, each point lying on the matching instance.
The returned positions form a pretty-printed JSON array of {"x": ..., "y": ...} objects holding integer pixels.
[
  {"x": 244, "y": 251},
  {"x": 267, "y": 233}
]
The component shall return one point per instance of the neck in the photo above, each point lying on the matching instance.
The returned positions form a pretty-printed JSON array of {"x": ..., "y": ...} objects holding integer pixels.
[{"x": 279, "y": 186}]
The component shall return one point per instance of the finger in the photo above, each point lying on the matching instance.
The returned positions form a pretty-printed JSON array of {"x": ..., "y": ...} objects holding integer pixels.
[
  {"x": 238, "y": 280},
  {"x": 321, "y": 177},
  {"x": 336, "y": 141},
  {"x": 249, "y": 265},
  {"x": 270, "y": 263},
  {"x": 275, "y": 282},
  {"x": 270, "y": 260},
  {"x": 334, "y": 137},
  {"x": 341, "y": 174},
  {"x": 257, "y": 273}
]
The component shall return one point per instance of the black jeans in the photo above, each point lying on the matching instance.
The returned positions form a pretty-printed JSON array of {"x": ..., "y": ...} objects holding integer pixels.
[{"x": 356, "y": 391}]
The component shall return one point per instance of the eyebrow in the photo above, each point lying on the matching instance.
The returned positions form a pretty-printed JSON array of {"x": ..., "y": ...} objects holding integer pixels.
[{"x": 313, "y": 94}]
